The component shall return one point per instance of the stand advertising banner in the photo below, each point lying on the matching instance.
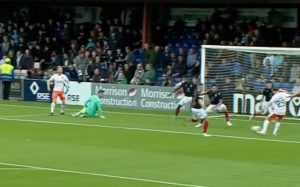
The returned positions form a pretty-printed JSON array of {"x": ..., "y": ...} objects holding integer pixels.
[
  {"x": 138, "y": 97},
  {"x": 36, "y": 90},
  {"x": 248, "y": 103},
  {"x": 77, "y": 93}
]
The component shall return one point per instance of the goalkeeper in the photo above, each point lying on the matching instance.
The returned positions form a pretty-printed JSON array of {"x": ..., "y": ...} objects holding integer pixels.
[{"x": 91, "y": 106}]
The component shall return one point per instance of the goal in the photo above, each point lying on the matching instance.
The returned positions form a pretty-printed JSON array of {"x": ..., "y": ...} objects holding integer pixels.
[{"x": 240, "y": 73}]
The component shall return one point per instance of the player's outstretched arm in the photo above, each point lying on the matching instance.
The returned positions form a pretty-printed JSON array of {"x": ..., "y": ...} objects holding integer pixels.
[
  {"x": 49, "y": 82},
  {"x": 296, "y": 94},
  {"x": 201, "y": 102},
  {"x": 176, "y": 88},
  {"x": 48, "y": 85},
  {"x": 66, "y": 82}
]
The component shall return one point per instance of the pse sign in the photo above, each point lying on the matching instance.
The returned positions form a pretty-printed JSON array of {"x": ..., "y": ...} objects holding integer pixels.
[
  {"x": 43, "y": 96},
  {"x": 73, "y": 98},
  {"x": 77, "y": 93}
]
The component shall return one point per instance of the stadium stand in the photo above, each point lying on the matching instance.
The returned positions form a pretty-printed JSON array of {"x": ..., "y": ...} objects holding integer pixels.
[{"x": 107, "y": 44}]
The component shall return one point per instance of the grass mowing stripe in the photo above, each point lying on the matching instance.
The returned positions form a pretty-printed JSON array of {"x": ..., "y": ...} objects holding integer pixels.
[
  {"x": 39, "y": 122},
  {"x": 156, "y": 115},
  {"x": 102, "y": 175}
]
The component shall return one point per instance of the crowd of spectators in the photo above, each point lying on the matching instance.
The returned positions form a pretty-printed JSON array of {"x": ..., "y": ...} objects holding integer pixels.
[
  {"x": 109, "y": 52},
  {"x": 96, "y": 52},
  {"x": 243, "y": 70}
]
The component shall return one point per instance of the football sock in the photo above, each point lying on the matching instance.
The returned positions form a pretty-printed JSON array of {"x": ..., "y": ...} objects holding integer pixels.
[
  {"x": 62, "y": 108},
  {"x": 177, "y": 110},
  {"x": 81, "y": 112},
  {"x": 265, "y": 126},
  {"x": 276, "y": 127},
  {"x": 226, "y": 115},
  {"x": 205, "y": 126},
  {"x": 52, "y": 107},
  {"x": 78, "y": 113}
]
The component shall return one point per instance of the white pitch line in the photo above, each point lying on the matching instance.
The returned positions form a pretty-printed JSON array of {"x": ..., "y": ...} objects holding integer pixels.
[
  {"x": 18, "y": 169},
  {"x": 112, "y": 112},
  {"x": 40, "y": 122},
  {"x": 155, "y": 115},
  {"x": 262, "y": 116},
  {"x": 25, "y": 115},
  {"x": 103, "y": 175}
]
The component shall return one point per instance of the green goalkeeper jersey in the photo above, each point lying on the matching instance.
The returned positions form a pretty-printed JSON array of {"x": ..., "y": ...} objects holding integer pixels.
[{"x": 93, "y": 105}]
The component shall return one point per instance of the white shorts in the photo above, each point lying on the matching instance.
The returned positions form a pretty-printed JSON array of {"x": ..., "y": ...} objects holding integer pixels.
[
  {"x": 185, "y": 100},
  {"x": 199, "y": 113},
  {"x": 264, "y": 107},
  {"x": 213, "y": 108}
]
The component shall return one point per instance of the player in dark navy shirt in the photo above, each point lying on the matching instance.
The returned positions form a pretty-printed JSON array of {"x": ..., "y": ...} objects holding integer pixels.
[
  {"x": 198, "y": 112},
  {"x": 188, "y": 87},
  {"x": 216, "y": 103},
  {"x": 267, "y": 94}
]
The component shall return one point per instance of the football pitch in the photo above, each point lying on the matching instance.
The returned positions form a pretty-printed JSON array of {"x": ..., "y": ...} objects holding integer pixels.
[{"x": 132, "y": 148}]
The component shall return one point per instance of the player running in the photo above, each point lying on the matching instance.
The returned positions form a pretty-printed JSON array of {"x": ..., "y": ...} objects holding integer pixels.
[
  {"x": 198, "y": 112},
  {"x": 60, "y": 81},
  {"x": 216, "y": 103},
  {"x": 264, "y": 105},
  {"x": 91, "y": 106},
  {"x": 278, "y": 104},
  {"x": 189, "y": 87}
]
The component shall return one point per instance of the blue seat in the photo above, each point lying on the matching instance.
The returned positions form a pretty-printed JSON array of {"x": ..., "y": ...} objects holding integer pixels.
[
  {"x": 177, "y": 80},
  {"x": 159, "y": 81},
  {"x": 210, "y": 81},
  {"x": 286, "y": 86},
  {"x": 258, "y": 85}
]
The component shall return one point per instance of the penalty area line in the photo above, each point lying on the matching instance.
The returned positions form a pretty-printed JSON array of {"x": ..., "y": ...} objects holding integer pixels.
[
  {"x": 155, "y": 115},
  {"x": 101, "y": 175}
]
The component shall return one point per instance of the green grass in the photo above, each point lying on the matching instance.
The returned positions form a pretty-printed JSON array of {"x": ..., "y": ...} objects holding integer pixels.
[{"x": 139, "y": 146}]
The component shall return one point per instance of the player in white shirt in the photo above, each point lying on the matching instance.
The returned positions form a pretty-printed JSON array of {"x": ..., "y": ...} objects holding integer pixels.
[
  {"x": 278, "y": 105},
  {"x": 60, "y": 81}
]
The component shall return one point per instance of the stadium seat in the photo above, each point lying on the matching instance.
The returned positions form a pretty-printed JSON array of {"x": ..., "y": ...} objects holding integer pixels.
[
  {"x": 189, "y": 72},
  {"x": 23, "y": 74},
  {"x": 258, "y": 85},
  {"x": 37, "y": 65},
  {"x": 177, "y": 80},
  {"x": 159, "y": 81},
  {"x": 286, "y": 86},
  {"x": 210, "y": 81},
  {"x": 17, "y": 73}
]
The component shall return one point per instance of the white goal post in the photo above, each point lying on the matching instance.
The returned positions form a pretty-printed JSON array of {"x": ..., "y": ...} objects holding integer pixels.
[{"x": 241, "y": 72}]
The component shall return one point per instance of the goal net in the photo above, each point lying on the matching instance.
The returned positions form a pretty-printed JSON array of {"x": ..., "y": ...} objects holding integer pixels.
[{"x": 240, "y": 73}]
